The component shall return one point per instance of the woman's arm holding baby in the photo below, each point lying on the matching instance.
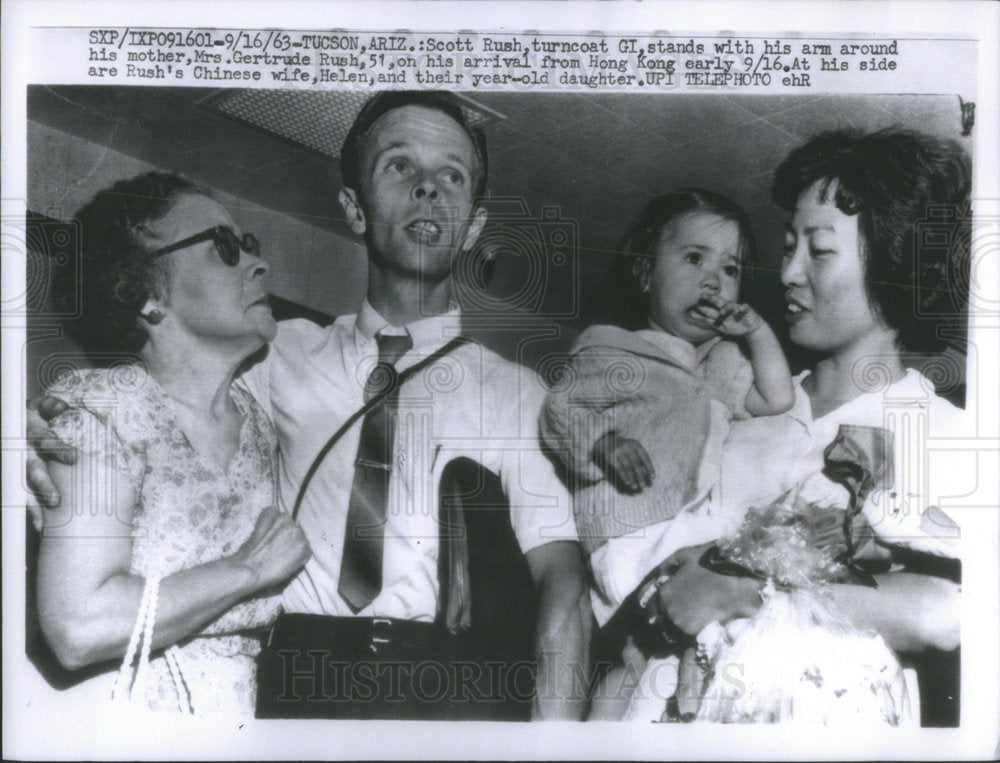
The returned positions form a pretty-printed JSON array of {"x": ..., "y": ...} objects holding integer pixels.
[{"x": 911, "y": 612}]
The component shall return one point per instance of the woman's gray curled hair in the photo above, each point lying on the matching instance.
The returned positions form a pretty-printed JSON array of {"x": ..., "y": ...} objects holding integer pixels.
[{"x": 117, "y": 273}]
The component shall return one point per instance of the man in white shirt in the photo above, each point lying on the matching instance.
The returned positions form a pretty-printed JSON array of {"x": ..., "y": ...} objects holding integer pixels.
[{"x": 413, "y": 168}]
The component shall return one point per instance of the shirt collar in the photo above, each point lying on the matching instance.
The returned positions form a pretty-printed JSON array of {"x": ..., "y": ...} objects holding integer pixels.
[
  {"x": 913, "y": 387},
  {"x": 678, "y": 350},
  {"x": 801, "y": 409},
  {"x": 702, "y": 350},
  {"x": 427, "y": 333}
]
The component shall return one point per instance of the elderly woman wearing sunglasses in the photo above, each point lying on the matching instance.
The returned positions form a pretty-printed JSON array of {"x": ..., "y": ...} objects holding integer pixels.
[{"x": 168, "y": 510}]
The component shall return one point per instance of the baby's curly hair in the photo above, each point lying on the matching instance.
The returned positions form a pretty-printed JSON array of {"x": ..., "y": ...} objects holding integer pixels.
[
  {"x": 910, "y": 192},
  {"x": 117, "y": 272}
]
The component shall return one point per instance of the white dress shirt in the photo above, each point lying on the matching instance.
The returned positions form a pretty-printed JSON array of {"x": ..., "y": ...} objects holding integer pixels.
[{"x": 471, "y": 403}]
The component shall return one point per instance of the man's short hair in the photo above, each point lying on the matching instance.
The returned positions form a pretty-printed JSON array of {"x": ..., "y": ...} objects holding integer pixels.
[{"x": 351, "y": 153}]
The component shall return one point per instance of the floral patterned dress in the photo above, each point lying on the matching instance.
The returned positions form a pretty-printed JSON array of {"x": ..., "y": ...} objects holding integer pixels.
[{"x": 188, "y": 512}]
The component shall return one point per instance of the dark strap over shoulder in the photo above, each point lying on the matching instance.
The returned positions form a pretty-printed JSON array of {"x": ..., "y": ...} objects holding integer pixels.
[{"x": 377, "y": 399}]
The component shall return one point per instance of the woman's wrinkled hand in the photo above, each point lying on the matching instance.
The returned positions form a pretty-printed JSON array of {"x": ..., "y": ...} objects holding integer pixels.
[
  {"x": 692, "y": 596},
  {"x": 276, "y": 550}
]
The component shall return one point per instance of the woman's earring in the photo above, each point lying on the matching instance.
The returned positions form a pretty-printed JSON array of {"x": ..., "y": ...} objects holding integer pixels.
[{"x": 154, "y": 316}]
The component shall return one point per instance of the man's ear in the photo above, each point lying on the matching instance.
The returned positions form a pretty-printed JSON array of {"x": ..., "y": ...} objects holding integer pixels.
[
  {"x": 353, "y": 212},
  {"x": 475, "y": 229}
]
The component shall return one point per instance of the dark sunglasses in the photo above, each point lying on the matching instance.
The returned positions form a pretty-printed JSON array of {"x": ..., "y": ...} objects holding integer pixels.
[{"x": 226, "y": 244}]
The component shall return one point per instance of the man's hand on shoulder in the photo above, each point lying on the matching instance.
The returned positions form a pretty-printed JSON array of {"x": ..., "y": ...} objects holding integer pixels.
[{"x": 45, "y": 447}]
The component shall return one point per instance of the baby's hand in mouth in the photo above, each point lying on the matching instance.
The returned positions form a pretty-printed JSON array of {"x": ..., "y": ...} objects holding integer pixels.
[
  {"x": 712, "y": 309},
  {"x": 733, "y": 318}
]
